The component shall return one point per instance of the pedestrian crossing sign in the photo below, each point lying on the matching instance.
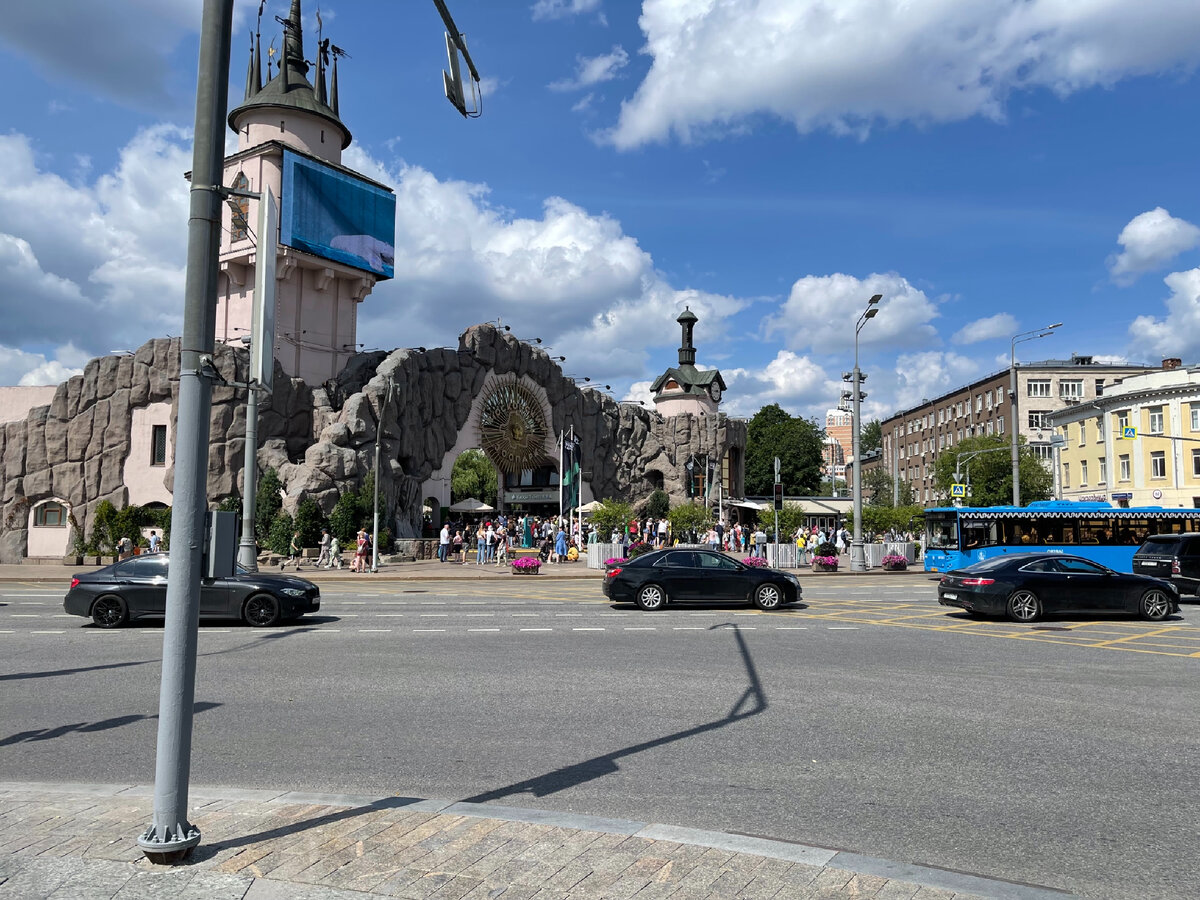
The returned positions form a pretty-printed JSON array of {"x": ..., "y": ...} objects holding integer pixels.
[
  {"x": 1129, "y": 433},
  {"x": 958, "y": 490}
]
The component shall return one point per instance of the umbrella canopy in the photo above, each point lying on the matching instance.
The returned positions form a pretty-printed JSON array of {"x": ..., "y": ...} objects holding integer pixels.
[
  {"x": 471, "y": 505},
  {"x": 590, "y": 507}
]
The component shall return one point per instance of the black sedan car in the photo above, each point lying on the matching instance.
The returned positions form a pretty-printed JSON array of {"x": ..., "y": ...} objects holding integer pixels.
[
  {"x": 1025, "y": 586},
  {"x": 684, "y": 575},
  {"x": 138, "y": 587}
]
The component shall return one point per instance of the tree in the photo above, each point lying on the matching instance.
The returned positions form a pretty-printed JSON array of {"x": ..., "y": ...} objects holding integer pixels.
[
  {"x": 791, "y": 517},
  {"x": 309, "y": 521},
  {"x": 991, "y": 472},
  {"x": 473, "y": 475},
  {"x": 611, "y": 515},
  {"x": 871, "y": 437},
  {"x": 796, "y": 441},
  {"x": 267, "y": 503},
  {"x": 658, "y": 504},
  {"x": 688, "y": 518},
  {"x": 878, "y": 487}
]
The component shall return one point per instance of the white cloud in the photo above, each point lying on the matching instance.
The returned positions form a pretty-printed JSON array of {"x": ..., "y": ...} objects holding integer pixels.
[
  {"x": 821, "y": 311},
  {"x": 561, "y": 9},
  {"x": 930, "y": 374},
  {"x": 1177, "y": 333},
  {"x": 572, "y": 277},
  {"x": 846, "y": 65},
  {"x": 1149, "y": 241},
  {"x": 794, "y": 382},
  {"x": 23, "y": 368},
  {"x": 594, "y": 70},
  {"x": 1001, "y": 325}
]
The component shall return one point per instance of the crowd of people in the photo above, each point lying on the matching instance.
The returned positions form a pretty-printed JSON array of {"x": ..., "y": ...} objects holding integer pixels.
[{"x": 495, "y": 539}]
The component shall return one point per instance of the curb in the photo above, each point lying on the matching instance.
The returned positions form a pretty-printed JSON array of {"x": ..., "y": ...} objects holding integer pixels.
[{"x": 790, "y": 851}]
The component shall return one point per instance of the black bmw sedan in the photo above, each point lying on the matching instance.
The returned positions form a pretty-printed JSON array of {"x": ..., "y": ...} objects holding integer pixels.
[
  {"x": 684, "y": 575},
  {"x": 138, "y": 587},
  {"x": 1026, "y": 586}
]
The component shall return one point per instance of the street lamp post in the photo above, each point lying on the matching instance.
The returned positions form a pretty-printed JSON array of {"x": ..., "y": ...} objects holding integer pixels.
[
  {"x": 387, "y": 399},
  {"x": 858, "y": 559},
  {"x": 1032, "y": 335}
]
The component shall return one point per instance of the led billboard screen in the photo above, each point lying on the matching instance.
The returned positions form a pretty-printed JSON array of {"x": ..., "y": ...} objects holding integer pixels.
[{"x": 337, "y": 216}]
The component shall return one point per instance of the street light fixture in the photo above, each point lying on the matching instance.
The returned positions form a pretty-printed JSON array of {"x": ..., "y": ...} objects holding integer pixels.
[
  {"x": 858, "y": 558},
  {"x": 1032, "y": 335}
]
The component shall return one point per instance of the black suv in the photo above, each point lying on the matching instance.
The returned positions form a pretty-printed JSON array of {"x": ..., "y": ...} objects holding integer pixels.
[{"x": 1173, "y": 556}]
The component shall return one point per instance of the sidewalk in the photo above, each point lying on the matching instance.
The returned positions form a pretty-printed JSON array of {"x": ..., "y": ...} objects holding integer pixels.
[
  {"x": 423, "y": 570},
  {"x": 78, "y": 842}
]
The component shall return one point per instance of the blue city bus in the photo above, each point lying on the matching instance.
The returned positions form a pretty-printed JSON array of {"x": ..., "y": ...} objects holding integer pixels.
[{"x": 957, "y": 536}]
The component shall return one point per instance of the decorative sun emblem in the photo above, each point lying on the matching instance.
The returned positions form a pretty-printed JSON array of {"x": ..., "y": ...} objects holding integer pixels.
[{"x": 512, "y": 427}]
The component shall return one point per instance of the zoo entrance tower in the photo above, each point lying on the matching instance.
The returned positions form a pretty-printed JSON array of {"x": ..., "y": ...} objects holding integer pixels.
[{"x": 290, "y": 139}]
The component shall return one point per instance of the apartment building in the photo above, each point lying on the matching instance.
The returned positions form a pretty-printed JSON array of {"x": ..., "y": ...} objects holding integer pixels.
[
  {"x": 913, "y": 438},
  {"x": 1155, "y": 464}
]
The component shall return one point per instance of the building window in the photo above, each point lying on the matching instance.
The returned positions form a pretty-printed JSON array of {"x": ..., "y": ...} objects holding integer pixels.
[
  {"x": 1195, "y": 418},
  {"x": 1103, "y": 463},
  {"x": 1042, "y": 451},
  {"x": 1066, "y": 475},
  {"x": 1099, "y": 386},
  {"x": 1037, "y": 418},
  {"x": 979, "y": 403},
  {"x": 1000, "y": 425},
  {"x": 988, "y": 399},
  {"x": 1123, "y": 459},
  {"x": 1083, "y": 473},
  {"x": 1039, "y": 387},
  {"x": 1100, "y": 429},
  {"x": 1158, "y": 464},
  {"x": 239, "y": 227},
  {"x": 1070, "y": 389},
  {"x": 1196, "y": 463},
  {"x": 50, "y": 514},
  {"x": 158, "y": 446},
  {"x": 989, "y": 427},
  {"x": 999, "y": 397},
  {"x": 1082, "y": 433},
  {"x": 1156, "y": 419},
  {"x": 1123, "y": 419}
]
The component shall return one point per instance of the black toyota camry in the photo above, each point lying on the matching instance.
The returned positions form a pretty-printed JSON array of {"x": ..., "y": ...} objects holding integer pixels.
[
  {"x": 685, "y": 575},
  {"x": 1026, "y": 586},
  {"x": 138, "y": 587}
]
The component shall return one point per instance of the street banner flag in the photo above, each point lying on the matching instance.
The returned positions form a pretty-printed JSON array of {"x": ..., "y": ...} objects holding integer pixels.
[
  {"x": 570, "y": 470},
  {"x": 708, "y": 478},
  {"x": 690, "y": 468}
]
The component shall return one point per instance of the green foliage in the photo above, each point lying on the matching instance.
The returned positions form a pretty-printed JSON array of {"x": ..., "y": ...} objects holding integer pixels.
[
  {"x": 267, "y": 502},
  {"x": 991, "y": 472},
  {"x": 689, "y": 517},
  {"x": 310, "y": 520},
  {"x": 279, "y": 536},
  {"x": 346, "y": 517},
  {"x": 658, "y": 504},
  {"x": 473, "y": 475},
  {"x": 879, "y": 519},
  {"x": 797, "y": 442},
  {"x": 127, "y": 523},
  {"x": 791, "y": 517},
  {"x": 611, "y": 515},
  {"x": 232, "y": 503},
  {"x": 161, "y": 518},
  {"x": 877, "y": 487},
  {"x": 103, "y": 519},
  {"x": 871, "y": 437}
]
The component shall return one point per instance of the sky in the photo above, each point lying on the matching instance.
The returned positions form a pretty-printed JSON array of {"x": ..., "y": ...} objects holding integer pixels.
[{"x": 988, "y": 166}]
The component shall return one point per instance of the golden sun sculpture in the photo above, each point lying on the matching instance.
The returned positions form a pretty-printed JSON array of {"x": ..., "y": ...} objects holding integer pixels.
[{"x": 512, "y": 427}]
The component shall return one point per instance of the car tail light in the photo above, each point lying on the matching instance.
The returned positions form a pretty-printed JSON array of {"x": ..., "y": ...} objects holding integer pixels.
[
  {"x": 978, "y": 582},
  {"x": 613, "y": 572},
  {"x": 74, "y": 583},
  {"x": 1175, "y": 566},
  {"x": 945, "y": 579}
]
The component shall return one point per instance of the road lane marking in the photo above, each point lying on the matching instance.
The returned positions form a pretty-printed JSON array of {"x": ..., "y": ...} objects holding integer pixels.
[
  {"x": 427, "y": 630},
  {"x": 791, "y": 628},
  {"x": 482, "y": 629},
  {"x": 47, "y": 632},
  {"x": 587, "y": 629},
  {"x": 435, "y": 615},
  {"x": 640, "y": 628},
  {"x": 374, "y": 630},
  {"x": 537, "y": 629},
  {"x": 25, "y": 615},
  {"x": 688, "y": 628},
  {"x": 842, "y": 627}
]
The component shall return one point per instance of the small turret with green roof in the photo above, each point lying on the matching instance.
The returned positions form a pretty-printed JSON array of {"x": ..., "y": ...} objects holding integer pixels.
[{"x": 684, "y": 388}]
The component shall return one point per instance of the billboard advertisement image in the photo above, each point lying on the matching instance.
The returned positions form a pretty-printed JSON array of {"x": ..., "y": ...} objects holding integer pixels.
[{"x": 337, "y": 216}]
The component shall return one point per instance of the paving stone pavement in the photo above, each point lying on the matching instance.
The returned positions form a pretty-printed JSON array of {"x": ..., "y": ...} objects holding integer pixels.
[{"x": 78, "y": 842}]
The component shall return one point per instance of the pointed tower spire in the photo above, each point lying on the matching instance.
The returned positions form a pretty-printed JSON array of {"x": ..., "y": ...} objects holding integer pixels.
[
  {"x": 333, "y": 88},
  {"x": 250, "y": 90},
  {"x": 293, "y": 40},
  {"x": 687, "y": 353},
  {"x": 258, "y": 82},
  {"x": 319, "y": 81}
]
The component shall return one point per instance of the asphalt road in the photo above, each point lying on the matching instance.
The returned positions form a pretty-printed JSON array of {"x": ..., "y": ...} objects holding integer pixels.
[{"x": 872, "y": 720}]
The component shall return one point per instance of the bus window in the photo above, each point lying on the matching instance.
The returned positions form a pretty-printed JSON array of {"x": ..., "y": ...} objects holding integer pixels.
[
  {"x": 941, "y": 531},
  {"x": 1096, "y": 531},
  {"x": 978, "y": 534}
]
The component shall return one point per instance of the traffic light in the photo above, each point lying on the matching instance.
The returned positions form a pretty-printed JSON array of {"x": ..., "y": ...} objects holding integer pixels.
[{"x": 778, "y": 496}]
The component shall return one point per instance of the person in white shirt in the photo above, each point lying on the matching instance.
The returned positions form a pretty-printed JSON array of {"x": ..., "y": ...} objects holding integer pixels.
[{"x": 444, "y": 542}]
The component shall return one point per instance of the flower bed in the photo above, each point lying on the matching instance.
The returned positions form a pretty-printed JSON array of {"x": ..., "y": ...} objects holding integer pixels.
[
  {"x": 637, "y": 548},
  {"x": 894, "y": 562},
  {"x": 526, "y": 565},
  {"x": 756, "y": 561},
  {"x": 825, "y": 563},
  {"x": 615, "y": 560}
]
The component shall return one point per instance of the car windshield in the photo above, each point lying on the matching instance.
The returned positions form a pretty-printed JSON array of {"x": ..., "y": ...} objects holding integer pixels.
[
  {"x": 989, "y": 565},
  {"x": 1164, "y": 545}
]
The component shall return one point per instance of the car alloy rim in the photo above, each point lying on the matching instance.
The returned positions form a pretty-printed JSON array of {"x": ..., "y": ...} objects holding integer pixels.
[
  {"x": 768, "y": 595},
  {"x": 652, "y": 597},
  {"x": 1156, "y": 604},
  {"x": 258, "y": 611},
  {"x": 108, "y": 611},
  {"x": 1024, "y": 605}
]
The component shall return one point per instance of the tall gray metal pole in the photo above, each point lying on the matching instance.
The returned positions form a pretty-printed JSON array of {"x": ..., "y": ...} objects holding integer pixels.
[
  {"x": 1016, "y": 452},
  {"x": 170, "y": 836},
  {"x": 247, "y": 550},
  {"x": 387, "y": 399},
  {"x": 858, "y": 556}
]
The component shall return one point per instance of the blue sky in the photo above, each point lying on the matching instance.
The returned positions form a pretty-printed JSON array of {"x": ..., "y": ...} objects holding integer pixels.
[{"x": 989, "y": 166}]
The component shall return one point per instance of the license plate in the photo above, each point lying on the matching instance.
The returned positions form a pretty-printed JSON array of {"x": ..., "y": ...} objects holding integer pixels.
[{"x": 950, "y": 596}]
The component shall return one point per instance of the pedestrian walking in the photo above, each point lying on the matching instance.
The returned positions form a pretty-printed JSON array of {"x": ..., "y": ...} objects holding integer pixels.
[
  {"x": 323, "y": 546},
  {"x": 444, "y": 542},
  {"x": 155, "y": 543},
  {"x": 294, "y": 550}
]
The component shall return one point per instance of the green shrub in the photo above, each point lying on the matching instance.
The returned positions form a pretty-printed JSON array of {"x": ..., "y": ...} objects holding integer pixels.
[
  {"x": 279, "y": 536},
  {"x": 267, "y": 502},
  {"x": 310, "y": 520},
  {"x": 103, "y": 540},
  {"x": 689, "y": 517},
  {"x": 658, "y": 505},
  {"x": 611, "y": 515}
]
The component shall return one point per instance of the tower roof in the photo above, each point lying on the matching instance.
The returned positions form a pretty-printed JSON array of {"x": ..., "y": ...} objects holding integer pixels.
[{"x": 291, "y": 89}]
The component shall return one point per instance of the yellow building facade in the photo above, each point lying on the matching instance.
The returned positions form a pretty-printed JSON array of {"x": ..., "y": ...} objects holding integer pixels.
[{"x": 1136, "y": 445}]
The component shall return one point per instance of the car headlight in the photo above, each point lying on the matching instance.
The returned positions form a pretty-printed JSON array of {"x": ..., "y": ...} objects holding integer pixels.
[
  {"x": 293, "y": 592},
  {"x": 794, "y": 579}
]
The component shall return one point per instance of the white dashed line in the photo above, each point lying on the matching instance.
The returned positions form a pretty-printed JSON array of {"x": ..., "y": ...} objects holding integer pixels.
[
  {"x": 587, "y": 629},
  {"x": 688, "y": 628},
  {"x": 482, "y": 629},
  {"x": 26, "y": 615},
  {"x": 374, "y": 630},
  {"x": 435, "y": 615},
  {"x": 575, "y": 615},
  {"x": 389, "y": 615},
  {"x": 843, "y": 627},
  {"x": 791, "y": 628},
  {"x": 427, "y": 630},
  {"x": 523, "y": 629},
  {"x": 47, "y": 632},
  {"x": 525, "y": 615},
  {"x": 640, "y": 628}
]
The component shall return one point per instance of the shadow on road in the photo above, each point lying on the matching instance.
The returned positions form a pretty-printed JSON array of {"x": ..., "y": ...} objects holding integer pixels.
[
  {"x": 49, "y": 734},
  {"x": 752, "y": 702}
]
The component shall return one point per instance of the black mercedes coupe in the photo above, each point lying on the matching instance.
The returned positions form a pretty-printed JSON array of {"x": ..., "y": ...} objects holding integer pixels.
[
  {"x": 137, "y": 587},
  {"x": 687, "y": 575},
  {"x": 1026, "y": 586}
]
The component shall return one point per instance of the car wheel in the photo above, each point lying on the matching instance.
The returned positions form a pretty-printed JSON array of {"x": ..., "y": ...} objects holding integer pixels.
[
  {"x": 768, "y": 596},
  {"x": 261, "y": 611},
  {"x": 109, "y": 612},
  {"x": 1024, "y": 607},
  {"x": 651, "y": 597},
  {"x": 1155, "y": 605}
]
